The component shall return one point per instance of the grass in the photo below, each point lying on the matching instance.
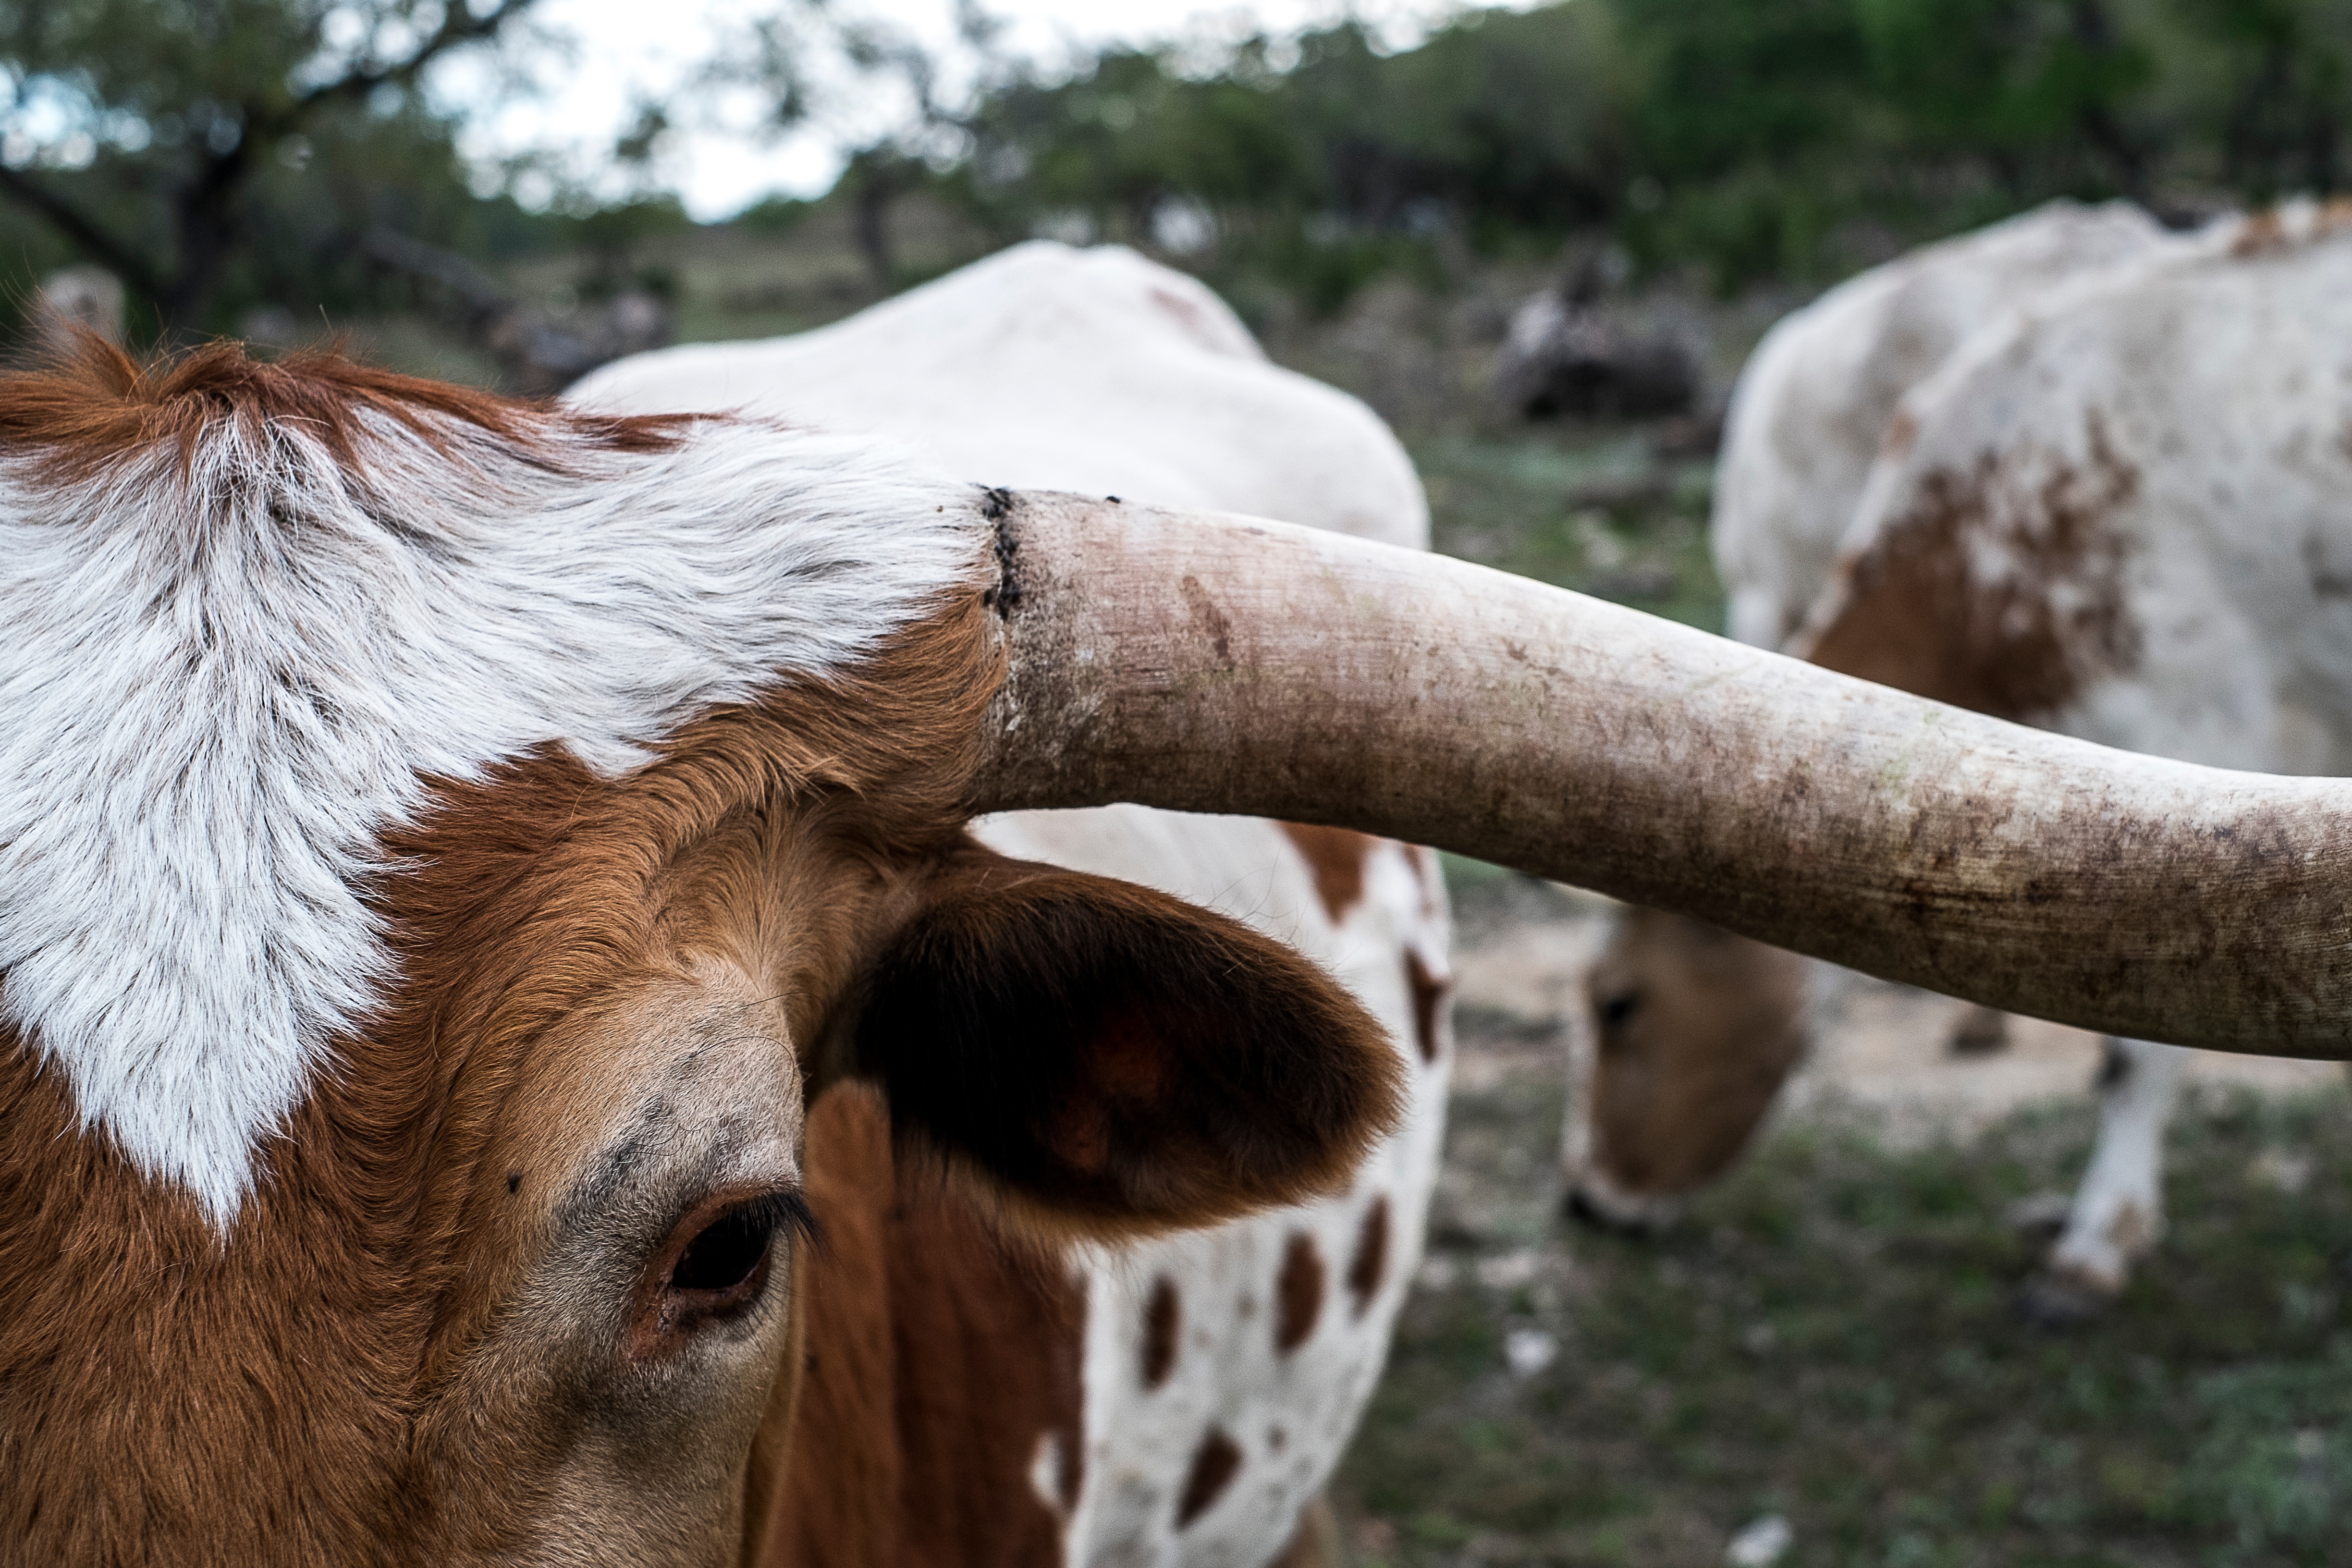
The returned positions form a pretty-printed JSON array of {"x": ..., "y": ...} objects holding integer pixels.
[
  {"x": 1599, "y": 509},
  {"x": 1829, "y": 1337}
]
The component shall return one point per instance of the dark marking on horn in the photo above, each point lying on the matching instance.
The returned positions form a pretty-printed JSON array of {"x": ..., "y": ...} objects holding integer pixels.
[
  {"x": 996, "y": 505},
  {"x": 1206, "y": 611}
]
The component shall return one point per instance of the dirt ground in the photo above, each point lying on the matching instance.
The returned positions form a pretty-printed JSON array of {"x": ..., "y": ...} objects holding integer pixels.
[{"x": 1881, "y": 1049}]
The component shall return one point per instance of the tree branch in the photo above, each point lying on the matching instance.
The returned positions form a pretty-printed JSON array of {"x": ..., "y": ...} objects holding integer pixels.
[
  {"x": 458, "y": 25},
  {"x": 83, "y": 231}
]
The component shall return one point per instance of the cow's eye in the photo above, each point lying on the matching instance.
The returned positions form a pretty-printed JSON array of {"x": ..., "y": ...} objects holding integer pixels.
[
  {"x": 1618, "y": 1011},
  {"x": 728, "y": 1253},
  {"x": 713, "y": 1267}
]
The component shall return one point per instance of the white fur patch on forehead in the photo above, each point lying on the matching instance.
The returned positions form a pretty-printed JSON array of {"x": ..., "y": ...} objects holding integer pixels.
[{"x": 219, "y": 684}]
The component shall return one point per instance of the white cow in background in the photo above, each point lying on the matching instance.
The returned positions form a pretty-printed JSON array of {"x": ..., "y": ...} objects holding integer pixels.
[
  {"x": 1810, "y": 411},
  {"x": 1223, "y": 1371},
  {"x": 2120, "y": 508}
]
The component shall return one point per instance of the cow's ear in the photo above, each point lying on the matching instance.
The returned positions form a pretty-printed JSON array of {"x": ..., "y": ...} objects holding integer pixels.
[{"x": 1111, "y": 1060}]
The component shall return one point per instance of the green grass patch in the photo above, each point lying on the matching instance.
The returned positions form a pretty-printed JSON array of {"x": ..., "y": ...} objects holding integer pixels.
[
  {"x": 1829, "y": 1336},
  {"x": 1595, "y": 508}
]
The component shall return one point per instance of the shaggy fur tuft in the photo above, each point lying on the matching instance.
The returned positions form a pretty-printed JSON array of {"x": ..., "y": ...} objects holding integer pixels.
[{"x": 252, "y": 611}]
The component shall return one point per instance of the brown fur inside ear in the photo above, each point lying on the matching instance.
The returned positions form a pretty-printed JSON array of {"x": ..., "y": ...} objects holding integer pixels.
[{"x": 1115, "y": 1058}]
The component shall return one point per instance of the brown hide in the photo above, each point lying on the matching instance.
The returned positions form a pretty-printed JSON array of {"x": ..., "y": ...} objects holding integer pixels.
[
  {"x": 940, "y": 1360},
  {"x": 1910, "y": 614},
  {"x": 1336, "y": 856}
]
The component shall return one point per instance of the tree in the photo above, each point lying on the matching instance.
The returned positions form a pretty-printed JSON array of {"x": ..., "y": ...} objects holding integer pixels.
[
  {"x": 2278, "y": 89},
  {"x": 207, "y": 149}
]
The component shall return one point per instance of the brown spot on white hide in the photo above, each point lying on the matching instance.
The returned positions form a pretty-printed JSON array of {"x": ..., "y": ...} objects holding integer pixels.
[
  {"x": 1980, "y": 1031},
  {"x": 1336, "y": 856},
  {"x": 1298, "y": 1293},
  {"x": 1912, "y": 609},
  {"x": 1163, "y": 1328},
  {"x": 1429, "y": 994},
  {"x": 1214, "y": 1464}
]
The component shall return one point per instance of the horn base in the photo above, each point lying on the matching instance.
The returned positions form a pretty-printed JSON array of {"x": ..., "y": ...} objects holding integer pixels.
[{"x": 1226, "y": 664}]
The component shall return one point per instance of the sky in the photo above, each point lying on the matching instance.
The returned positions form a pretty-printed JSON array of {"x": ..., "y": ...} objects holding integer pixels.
[{"x": 600, "y": 58}]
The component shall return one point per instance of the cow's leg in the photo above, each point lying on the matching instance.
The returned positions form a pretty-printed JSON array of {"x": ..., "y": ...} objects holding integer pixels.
[
  {"x": 2119, "y": 1208},
  {"x": 1316, "y": 1543},
  {"x": 1982, "y": 1031}
]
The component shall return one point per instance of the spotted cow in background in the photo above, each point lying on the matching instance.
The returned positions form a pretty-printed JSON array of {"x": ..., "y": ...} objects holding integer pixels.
[
  {"x": 2116, "y": 511},
  {"x": 1173, "y": 1401},
  {"x": 1809, "y": 415}
]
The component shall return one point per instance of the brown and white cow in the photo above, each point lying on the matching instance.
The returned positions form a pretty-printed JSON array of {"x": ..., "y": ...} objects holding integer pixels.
[
  {"x": 2111, "y": 513},
  {"x": 1809, "y": 414},
  {"x": 445, "y": 844},
  {"x": 1208, "y": 1383}
]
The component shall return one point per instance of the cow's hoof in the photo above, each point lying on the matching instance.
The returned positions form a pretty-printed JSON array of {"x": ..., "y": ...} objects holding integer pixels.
[
  {"x": 1580, "y": 1207},
  {"x": 2055, "y": 1302},
  {"x": 2039, "y": 1216},
  {"x": 1981, "y": 1032}
]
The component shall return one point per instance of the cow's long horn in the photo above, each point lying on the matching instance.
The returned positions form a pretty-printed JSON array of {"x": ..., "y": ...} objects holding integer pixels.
[{"x": 1227, "y": 664}]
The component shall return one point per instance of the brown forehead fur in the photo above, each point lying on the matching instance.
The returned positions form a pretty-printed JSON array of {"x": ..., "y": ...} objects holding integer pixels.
[
  {"x": 95, "y": 404},
  {"x": 170, "y": 1394}
]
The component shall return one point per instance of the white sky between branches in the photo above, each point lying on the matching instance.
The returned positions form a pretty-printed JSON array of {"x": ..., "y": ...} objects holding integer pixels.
[{"x": 606, "y": 55}]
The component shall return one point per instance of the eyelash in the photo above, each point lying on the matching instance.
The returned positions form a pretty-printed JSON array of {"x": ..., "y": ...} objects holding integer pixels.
[{"x": 717, "y": 1272}]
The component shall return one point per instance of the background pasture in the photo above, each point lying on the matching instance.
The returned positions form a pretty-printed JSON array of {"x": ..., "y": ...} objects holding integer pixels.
[{"x": 1827, "y": 1340}]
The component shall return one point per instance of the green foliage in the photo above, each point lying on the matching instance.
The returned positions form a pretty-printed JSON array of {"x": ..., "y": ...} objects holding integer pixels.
[
  {"x": 1343, "y": 165},
  {"x": 609, "y": 239},
  {"x": 220, "y": 153},
  {"x": 1752, "y": 137},
  {"x": 775, "y": 215},
  {"x": 215, "y": 154}
]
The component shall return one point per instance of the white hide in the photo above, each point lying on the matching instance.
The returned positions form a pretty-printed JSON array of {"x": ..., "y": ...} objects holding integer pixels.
[
  {"x": 217, "y": 691},
  {"x": 1100, "y": 371},
  {"x": 2119, "y": 1210},
  {"x": 1812, "y": 404},
  {"x": 2208, "y": 404},
  {"x": 2207, "y": 401},
  {"x": 1045, "y": 367},
  {"x": 1291, "y": 1414}
]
